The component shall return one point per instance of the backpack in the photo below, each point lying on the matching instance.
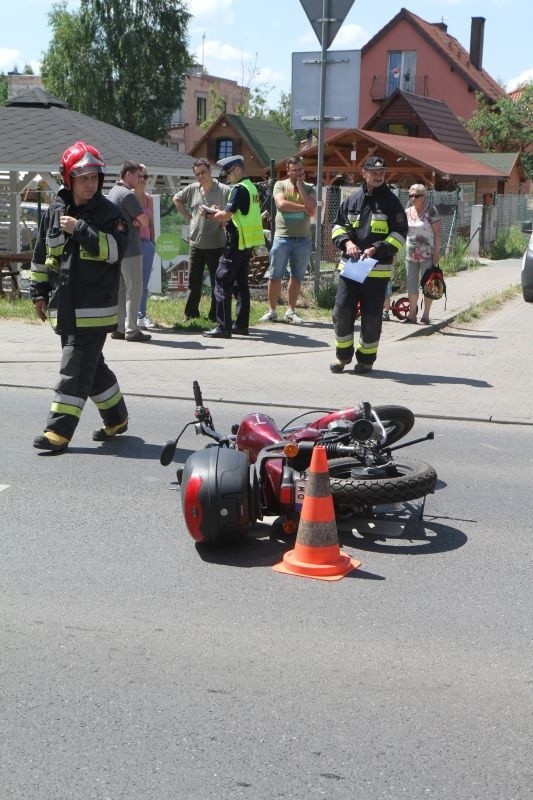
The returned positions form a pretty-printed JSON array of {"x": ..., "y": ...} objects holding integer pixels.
[{"x": 432, "y": 283}]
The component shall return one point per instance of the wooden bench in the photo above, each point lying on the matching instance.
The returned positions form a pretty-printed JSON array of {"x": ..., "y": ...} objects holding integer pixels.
[{"x": 10, "y": 264}]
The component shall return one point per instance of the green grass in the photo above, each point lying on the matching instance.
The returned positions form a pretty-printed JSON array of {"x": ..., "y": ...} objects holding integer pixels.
[
  {"x": 489, "y": 304},
  {"x": 170, "y": 313}
]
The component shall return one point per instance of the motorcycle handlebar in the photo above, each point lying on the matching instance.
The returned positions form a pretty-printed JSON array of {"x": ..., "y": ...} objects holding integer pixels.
[{"x": 197, "y": 392}]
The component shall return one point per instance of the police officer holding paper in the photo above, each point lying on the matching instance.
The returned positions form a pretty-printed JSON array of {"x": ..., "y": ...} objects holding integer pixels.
[{"x": 244, "y": 231}]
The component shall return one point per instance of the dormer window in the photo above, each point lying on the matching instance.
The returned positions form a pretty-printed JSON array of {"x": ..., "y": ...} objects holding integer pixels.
[{"x": 401, "y": 71}]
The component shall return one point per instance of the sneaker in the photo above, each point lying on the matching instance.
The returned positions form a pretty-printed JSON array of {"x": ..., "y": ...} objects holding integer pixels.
[
  {"x": 270, "y": 316},
  {"x": 110, "y": 431},
  {"x": 385, "y": 316},
  {"x": 362, "y": 369},
  {"x": 338, "y": 366},
  {"x": 146, "y": 323},
  {"x": 139, "y": 336},
  {"x": 292, "y": 316},
  {"x": 51, "y": 441}
]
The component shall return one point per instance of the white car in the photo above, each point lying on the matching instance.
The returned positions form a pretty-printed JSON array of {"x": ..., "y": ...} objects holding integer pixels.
[{"x": 527, "y": 272}]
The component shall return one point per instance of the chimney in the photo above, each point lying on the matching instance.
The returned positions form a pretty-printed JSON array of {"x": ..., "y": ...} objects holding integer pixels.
[
  {"x": 476, "y": 41},
  {"x": 441, "y": 26}
]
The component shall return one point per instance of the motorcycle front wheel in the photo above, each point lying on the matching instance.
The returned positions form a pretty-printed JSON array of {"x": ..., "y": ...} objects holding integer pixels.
[
  {"x": 355, "y": 486},
  {"x": 397, "y": 421}
]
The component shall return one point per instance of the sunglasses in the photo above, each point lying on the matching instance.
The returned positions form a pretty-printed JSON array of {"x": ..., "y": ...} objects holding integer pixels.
[
  {"x": 415, "y": 195},
  {"x": 144, "y": 177}
]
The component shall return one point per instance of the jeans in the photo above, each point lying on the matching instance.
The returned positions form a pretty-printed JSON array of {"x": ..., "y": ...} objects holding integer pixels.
[
  {"x": 148, "y": 250},
  {"x": 295, "y": 250},
  {"x": 129, "y": 294}
]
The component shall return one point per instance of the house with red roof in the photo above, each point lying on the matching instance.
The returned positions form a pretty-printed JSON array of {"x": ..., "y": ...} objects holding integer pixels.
[{"x": 422, "y": 58}]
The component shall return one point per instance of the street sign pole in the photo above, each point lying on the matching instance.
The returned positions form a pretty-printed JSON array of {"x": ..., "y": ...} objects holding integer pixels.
[
  {"x": 320, "y": 171},
  {"x": 326, "y": 28}
]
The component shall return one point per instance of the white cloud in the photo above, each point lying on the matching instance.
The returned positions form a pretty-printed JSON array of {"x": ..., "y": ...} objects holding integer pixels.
[
  {"x": 220, "y": 51},
  {"x": 9, "y": 58},
  {"x": 525, "y": 77},
  {"x": 272, "y": 77},
  {"x": 211, "y": 10},
  {"x": 350, "y": 37}
]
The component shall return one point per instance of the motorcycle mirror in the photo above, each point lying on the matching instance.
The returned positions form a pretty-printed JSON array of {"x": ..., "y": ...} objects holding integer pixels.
[{"x": 168, "y": 452}]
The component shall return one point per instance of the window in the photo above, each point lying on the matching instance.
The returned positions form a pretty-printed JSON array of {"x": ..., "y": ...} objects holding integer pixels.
[
  {"x": 401, "y": 70},
  {"x": 224, "y": 148},
  {"x": 398, "y": 128},
  {"x": 201, "y": 109}
]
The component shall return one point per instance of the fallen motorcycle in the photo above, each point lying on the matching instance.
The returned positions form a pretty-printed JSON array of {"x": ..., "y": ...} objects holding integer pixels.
[{"x": 261, "y": 470}]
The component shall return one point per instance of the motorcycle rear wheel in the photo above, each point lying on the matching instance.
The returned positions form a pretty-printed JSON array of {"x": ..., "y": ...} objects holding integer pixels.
[
  {"x": 397, "y": 421},
  {"x": 352, "y": 486}
]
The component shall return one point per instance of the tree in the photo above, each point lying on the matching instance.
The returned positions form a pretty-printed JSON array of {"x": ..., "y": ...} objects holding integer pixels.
[
  {"x": 121, "y": 61},
  {"x": 3, "y": 89},
  {"x": 505, "y": 126}
]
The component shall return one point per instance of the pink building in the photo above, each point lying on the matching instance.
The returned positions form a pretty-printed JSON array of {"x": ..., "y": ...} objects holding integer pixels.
[
  {"x": 205, "y": 97},
  {"x": 420, "y": 57}
]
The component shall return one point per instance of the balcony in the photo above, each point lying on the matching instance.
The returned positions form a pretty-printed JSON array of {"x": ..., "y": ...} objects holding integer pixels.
[{"x": 382, "y": 87}]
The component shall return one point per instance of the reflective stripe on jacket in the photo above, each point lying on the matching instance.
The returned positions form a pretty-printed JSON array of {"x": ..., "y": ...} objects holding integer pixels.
[
  {"x": 78, "y": 275},
  {"x": 374, "y": 219}
]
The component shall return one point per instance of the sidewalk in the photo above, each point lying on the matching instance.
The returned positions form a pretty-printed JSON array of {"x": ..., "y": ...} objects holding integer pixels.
[{"x": 283, "y": 365}]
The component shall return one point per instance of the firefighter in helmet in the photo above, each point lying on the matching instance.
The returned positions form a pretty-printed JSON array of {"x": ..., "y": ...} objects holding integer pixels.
[{"x": 75, "y": 275}]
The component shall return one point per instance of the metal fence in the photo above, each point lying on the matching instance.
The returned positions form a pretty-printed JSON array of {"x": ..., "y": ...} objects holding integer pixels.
[{"x": 455, "y": 212}]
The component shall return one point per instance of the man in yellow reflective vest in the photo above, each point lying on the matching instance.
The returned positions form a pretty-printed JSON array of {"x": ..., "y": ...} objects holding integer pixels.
[
  {"x": 371, "y": 223},
  {"x": 244, "y": 231}
]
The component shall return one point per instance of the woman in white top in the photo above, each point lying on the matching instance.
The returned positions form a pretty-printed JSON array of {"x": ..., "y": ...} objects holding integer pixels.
[
  {"x": 422, "y": 248},
  {"x": 147, "y": 244}
]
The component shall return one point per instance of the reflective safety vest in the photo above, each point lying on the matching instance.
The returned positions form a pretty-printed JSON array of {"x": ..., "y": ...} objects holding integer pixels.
[{"x": 250, "y": 225}]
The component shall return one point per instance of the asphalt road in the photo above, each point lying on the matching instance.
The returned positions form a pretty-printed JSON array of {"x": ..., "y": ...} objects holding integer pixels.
[{"x": 137, "y": 666}]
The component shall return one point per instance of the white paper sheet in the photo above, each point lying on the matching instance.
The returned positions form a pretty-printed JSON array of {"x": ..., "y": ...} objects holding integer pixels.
[{"x": 357, "y": 270}]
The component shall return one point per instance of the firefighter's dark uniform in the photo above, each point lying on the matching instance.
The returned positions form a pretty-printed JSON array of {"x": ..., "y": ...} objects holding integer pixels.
[
  {"x": 78, "y": 277},
  {"x": 377, "y": 220}
]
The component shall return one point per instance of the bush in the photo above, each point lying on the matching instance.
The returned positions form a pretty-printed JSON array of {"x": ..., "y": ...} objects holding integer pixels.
[
  {"x": 510, "y": 243},
  {"x": 455, "y": 259},
  {"x": 327, "y": 291}
]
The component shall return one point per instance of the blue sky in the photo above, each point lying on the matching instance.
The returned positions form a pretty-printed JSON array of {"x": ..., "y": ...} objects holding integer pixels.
[{"x": 251, "y": 41}]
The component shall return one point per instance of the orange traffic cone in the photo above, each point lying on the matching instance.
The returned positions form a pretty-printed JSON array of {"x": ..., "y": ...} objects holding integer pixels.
[{"x": 317, "y": 553}]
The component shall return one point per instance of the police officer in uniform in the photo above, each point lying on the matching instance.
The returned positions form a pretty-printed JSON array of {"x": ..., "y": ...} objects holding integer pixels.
[
  {"x": 244, "y": 231},
  {"x": 75, "y": 274},
  {"x": 371, "y": 222}
]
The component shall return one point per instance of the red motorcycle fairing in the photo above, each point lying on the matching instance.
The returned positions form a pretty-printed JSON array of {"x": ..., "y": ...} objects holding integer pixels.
[
  {"x": 217, "y": 495},
  {"x": 257, "y": 431},
  {"x": 332, "y": 416}
]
